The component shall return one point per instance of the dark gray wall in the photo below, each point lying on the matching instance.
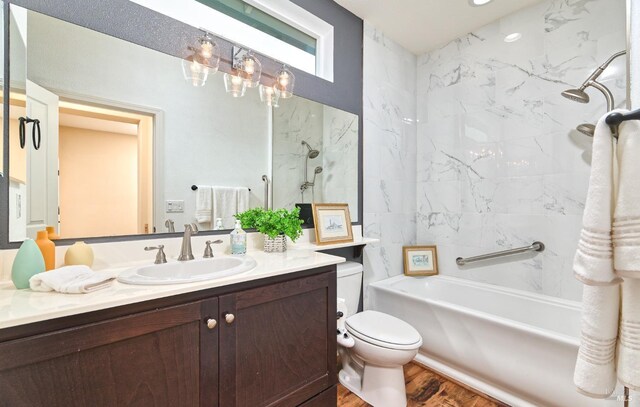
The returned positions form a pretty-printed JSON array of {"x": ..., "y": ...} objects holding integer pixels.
[{"x": 131, "y": 22}]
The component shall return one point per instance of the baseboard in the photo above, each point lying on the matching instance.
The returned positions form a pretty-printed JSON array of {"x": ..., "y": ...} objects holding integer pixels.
[{"x": 471, "y": 382}]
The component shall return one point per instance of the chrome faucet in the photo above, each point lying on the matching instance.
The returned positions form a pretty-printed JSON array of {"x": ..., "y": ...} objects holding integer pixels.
[
  {"x": 208, "y": 251},
  {"x": 160, "y": 256},
  {"x": 185, "y": 251}
]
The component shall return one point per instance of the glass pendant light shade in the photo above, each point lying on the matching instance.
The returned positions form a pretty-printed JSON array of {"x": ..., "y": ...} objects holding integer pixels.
[
  {"x": 250, "y": 69},
  {"x": 270, "y": 95},
  {"x": 235, "y": 85},
  {"x": 196, "y": 69},
  {"x": 285, "y": 81},
  {"x": 204, "y": 60}
]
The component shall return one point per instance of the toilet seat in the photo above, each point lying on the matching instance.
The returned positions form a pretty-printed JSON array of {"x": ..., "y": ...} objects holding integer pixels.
[{"x": 383, "y": 330}]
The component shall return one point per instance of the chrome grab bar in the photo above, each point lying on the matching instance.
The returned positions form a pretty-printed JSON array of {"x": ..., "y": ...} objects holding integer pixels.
[{"x": 534, "y": 247}]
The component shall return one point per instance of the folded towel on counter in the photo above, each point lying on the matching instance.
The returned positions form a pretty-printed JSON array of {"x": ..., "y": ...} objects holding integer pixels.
[
  {"x": 242, "y": 199},
  {"x": 204, "y": 204},
  {"x": 593, "y": 261},
  {"x": 225, "y": 204},
  {"x": 71, "y": 280},
  {"x": 629, "y": 336},
  {"x": 595, "y": 371},
  {"x": 626, "y": 218}
]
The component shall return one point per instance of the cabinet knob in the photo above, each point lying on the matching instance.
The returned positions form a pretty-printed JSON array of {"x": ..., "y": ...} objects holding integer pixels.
[
  {"x": 211, "y": 323},
  {"x": 229, "y": 318}
]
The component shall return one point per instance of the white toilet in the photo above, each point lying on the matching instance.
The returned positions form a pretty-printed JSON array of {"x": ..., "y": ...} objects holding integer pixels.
[{"x": 375, "y": 345}]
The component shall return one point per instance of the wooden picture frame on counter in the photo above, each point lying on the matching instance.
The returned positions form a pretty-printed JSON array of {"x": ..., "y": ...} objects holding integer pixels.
[
  {"x": 332, "y": 223},
  {"x": 420, "y": 260}
]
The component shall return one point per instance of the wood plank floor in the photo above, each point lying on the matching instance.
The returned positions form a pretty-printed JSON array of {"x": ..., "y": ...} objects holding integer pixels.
[{"x": 426, "y": 388}]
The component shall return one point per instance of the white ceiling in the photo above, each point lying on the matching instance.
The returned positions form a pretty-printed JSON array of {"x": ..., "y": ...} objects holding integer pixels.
[{"x": 423, "y": 25}]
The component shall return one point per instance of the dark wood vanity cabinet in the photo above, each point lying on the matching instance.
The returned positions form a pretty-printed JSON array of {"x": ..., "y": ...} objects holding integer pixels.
[
  {"x": 272, "y": 345},
  {"x": 280, "y": 348}
]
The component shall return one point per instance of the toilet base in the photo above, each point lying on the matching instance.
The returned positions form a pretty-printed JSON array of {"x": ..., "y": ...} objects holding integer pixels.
[{"x": 378, "y": 386}]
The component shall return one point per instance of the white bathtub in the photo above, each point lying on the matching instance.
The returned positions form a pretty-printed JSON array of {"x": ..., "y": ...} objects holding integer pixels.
[{"x": 513, "y": 345}]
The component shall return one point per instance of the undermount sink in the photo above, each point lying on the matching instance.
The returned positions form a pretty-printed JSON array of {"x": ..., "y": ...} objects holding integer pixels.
[{"x": 187, "y": 271}]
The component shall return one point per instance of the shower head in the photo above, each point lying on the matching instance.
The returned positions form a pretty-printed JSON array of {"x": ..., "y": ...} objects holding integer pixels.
[
  {"x": 312, "y": 152},
  {"x": 586, "y": 129},
  {"x": 577, "y": 95}
]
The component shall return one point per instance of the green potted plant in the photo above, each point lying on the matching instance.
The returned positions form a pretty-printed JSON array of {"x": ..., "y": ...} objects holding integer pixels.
[{"x": 275, "y": 225}]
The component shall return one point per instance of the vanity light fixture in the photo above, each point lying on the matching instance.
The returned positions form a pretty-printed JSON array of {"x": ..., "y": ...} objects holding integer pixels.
[
  {"x": 270, "y": 95},
  {"x": 235, "y": 85},
  {"x": 513, "y": 37},
  {"x": 285, "y": 81},
  {"x": 476, "y": 3}
]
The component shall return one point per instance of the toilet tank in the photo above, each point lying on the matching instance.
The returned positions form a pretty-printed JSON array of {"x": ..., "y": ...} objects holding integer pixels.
[{"x": 350, "y": 285}]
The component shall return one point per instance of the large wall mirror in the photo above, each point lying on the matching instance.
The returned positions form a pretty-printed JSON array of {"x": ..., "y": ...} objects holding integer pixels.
[{"x": 107, "y": 138}]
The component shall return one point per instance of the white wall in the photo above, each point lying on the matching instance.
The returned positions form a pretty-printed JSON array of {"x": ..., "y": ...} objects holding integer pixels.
[
  {"x": 389, "y": 153},
  {"x": 499, "y": 164},
  {"x": 206, "y": 139}
]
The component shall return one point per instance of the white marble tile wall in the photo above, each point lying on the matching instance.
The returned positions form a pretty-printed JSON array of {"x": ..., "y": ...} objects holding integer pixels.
[
  {"x": 296, "y": 119},
  {"x": 340, "y": 158},
  {"x": 499, "y": 162},
  {"x": 389, "y": 153}
]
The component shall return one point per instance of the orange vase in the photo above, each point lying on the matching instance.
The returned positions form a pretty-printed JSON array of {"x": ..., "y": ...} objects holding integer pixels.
[
  {"x": 51, "y": 231},
  {"x": 47, "y": 248}
]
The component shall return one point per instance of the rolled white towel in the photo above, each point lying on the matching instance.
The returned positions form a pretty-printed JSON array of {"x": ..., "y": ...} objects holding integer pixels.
[
  {"x": 70, "y": 280},
  {"x": 629, "y": 339},
  {"x": 595, "y": 372},
  {"x": 593, "y": 262}
]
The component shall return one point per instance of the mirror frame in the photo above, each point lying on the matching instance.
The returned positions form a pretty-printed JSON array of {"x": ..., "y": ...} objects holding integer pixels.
[{"x": 161, "y": 33}]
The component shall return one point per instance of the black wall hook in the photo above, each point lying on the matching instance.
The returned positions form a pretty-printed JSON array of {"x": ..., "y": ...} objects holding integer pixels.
[{"x": 36, "y": 133}]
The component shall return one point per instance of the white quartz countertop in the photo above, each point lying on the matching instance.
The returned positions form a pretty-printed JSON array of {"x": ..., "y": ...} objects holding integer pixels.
[{"x": 18, "y": 307}]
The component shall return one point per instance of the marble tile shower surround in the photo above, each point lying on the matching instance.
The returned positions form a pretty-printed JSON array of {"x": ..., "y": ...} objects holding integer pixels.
[
  {"x": 499, "y": 164},
  {"x": 331, "y": 131},
  {"x": 389, "y": 153},
  {"x": 294, "y": 121}
]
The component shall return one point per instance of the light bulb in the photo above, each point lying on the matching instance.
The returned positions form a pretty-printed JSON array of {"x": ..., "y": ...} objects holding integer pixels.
[
  {"x": 283, "y": 79},
  {"x": 249, "y": 66},
  {"x": 236, "y": 80},
  {"x": 207, "y": 49},
  {"x": 195, "y": 67}
]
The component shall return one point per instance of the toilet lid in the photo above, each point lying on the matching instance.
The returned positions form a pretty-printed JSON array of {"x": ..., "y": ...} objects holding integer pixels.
[{"x": 383, "y": 330}]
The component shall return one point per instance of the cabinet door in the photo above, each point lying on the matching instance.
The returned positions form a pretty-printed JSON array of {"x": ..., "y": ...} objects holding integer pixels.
[
  {"x": 279, "y": 348},
  {"x": 154, "y": 358}
]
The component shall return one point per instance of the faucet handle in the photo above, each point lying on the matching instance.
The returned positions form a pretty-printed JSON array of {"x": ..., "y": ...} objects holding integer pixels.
[
  {"x": 208, "y": 251},
  {"x": 161, "y": 258}
]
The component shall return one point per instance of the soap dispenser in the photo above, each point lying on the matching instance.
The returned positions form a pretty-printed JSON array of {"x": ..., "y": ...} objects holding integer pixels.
[{"x": 238, "y": 239}]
